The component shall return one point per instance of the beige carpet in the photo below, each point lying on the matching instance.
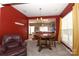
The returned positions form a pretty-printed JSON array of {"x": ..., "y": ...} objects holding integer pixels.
[{"x": 59, "y": 50}]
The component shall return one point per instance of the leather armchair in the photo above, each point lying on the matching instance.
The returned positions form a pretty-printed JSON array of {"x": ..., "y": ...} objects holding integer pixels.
[{"x": 12, "y": 45}]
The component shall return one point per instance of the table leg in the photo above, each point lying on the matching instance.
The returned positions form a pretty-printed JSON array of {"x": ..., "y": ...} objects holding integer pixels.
[{"x": 38, "y": 42}]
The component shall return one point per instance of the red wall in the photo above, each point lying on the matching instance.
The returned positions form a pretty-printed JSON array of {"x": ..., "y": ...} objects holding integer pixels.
[{"x": 7, "y": 18}]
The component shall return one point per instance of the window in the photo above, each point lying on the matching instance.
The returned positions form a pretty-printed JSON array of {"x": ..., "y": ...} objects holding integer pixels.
[
  {"x": 31, "y": 29},
  {"x": 67, "y": 27},
  {"x": 44, "y": 29}
]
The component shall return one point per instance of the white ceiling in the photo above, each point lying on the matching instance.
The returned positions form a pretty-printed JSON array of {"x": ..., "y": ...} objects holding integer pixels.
[{"x": 48, "y": 9}]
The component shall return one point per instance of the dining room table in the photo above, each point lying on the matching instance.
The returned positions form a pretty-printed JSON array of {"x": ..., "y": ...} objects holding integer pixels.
[{"x": 46, "y": 40}]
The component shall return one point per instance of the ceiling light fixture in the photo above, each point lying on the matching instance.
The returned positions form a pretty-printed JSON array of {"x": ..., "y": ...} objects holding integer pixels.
[
  {"x": 40, "y": 19},
  {"x": 40, "y": 14}
]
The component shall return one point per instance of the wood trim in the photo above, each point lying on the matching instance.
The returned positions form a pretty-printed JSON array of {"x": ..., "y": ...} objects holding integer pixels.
[
  {"x": 76, "y": 29},
  {"x": 66, "y": 46},
  {"x": 60, "y": 29}
]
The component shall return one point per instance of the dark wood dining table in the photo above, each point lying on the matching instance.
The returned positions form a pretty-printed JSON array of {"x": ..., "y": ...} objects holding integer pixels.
[{"x": 48, "y": 39}]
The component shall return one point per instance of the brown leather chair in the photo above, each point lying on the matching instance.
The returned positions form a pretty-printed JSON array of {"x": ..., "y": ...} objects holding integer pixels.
[{"x": 12, "y": 45}]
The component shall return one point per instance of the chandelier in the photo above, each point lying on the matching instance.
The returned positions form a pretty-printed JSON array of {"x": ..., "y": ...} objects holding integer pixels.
[{"x": 39, "y": 20}]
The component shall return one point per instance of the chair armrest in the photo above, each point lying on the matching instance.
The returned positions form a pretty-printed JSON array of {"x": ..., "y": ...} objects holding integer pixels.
[{"x": 24, "y": 44}]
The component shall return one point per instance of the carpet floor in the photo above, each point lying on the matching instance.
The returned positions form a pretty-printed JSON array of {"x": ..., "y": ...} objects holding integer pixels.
[{"x": 59, "y": 50}]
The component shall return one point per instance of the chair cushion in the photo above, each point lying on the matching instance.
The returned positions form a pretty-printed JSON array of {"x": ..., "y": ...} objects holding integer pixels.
[
  {"x": 14, "y": 52},
  {"x": 12, "y": 45}
]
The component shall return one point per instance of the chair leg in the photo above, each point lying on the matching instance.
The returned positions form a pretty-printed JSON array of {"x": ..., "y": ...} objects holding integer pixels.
[
  {"x": 40, "y": 47},
  {"x": 38, "y": 43},
  {"x": 54, "y": 44},
  {"x": 50, "y": 43},
  {"x": 50, "y": 47}
]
